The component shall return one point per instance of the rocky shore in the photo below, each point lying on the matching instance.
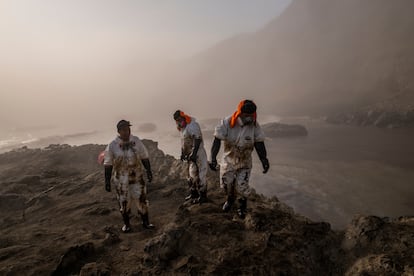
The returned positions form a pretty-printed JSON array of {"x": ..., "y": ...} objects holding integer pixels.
[
  {"x": 373, "y": 116},
  {"x": 57, "y": 219}
]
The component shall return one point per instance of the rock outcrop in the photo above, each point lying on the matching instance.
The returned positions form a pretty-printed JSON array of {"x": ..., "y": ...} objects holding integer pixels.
[
  {"x": 374, "y": 116},
  {"x": 284, "y": 130},
  {"x": 57, "y": 219}
]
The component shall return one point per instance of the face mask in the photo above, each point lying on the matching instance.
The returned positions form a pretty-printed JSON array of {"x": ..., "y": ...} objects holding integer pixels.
[
  {"x": 181, "y": 124},
  {"x": 124, "y": 133},
  {"x": 247, "y": 120}
]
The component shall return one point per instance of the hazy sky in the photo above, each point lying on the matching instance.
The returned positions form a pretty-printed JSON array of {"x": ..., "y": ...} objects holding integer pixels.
[
  {"x": 172, "y": 28},
  {"x": 59, "y": 56}
]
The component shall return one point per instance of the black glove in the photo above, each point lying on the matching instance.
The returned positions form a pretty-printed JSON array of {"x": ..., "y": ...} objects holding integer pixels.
[
  {"x": 149, "y": 176},
  {"x": 108, "y": 175},
  {"x": 265, "y": 164},
  {"x": 215, "y": 148},
  {"x": 193, "y": 157},
  {"x": 108, "y": 187},
  {"x": 213, "y": 165},
  {"x": 183, "y": 157}
]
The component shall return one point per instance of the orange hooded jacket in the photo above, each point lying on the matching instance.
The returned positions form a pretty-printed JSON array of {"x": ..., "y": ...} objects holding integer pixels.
[{"x": 238, "y": 112}]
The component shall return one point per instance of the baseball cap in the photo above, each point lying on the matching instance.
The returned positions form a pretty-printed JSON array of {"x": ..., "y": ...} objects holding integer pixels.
[{"x": 123, "y": 123}]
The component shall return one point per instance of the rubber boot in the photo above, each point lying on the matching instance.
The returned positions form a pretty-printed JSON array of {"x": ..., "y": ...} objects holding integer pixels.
[
  {"x": 127, "y": 227},
  {"x": 202, "y": 198},
  {"x": 228, "y": 204},
  {"x": 193, "y": 194},
  {"x": 145, "y": 222},
  {"x": 242, "y": 208}
]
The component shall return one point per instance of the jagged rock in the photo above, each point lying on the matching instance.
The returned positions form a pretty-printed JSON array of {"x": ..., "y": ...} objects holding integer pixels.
[
  {"x": 362, "y": 231},
  {"x": 379, "y": 265},
  {"x": 57, "y": 147},
  {"x": 166, "y": 246},
  {"x": 380, "y": 246}
]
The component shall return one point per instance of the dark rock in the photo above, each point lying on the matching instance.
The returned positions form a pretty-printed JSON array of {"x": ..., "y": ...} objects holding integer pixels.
[
  {"x": 379, "y": 265},
  {"x": 74, "y": 259},
  {"x": 373, "y": 116},
  {"x": 166, "y": 246},
  {"x": 95, "y": 269},
  {"x": 111, "y": 236},
  {"x": 361, "y": 231},
  {"x": 283, "y": 130},
  {"x": 12, "y": 202},
  {"x": 380, "y": 246}
]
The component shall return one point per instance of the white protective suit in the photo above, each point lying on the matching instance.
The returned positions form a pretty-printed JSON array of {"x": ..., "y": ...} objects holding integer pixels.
[
  {"x": 197, "y": 171},
  {"x": 236, "y": 163},
  {"x": 127, "y": 174}
]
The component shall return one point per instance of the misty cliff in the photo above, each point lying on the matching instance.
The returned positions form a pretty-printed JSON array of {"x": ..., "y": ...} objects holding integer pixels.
[
  {"x": 317, "y": 57},
  {"x": 57, "y": 219}
]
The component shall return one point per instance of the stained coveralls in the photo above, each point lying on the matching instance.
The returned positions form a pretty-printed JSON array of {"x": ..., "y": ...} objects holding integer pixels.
[
  {"x": 127, "y": 176},
  {"x": 197, "y": 170},
  {"x": 236, "y": 164}
]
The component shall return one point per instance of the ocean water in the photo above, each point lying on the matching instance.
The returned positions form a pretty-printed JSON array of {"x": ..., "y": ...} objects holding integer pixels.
[
  {"x": 332, "y": 174},
  {"x": 337, "y": 172}
]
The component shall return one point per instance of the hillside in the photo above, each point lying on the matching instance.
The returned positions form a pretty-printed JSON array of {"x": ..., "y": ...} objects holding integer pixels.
[
  {"x": 317, "y": 58},
  {"x": 57, "y": 219}
]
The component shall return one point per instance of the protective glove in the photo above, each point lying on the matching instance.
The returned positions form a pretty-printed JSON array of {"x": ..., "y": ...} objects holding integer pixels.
[
  {"x": 193, "y": 157},
  {"x": 183, "y": 156},
  {"x": 149, "y": 176},
  {"x": 107, "y": 187},
  {"x": 108, "y": 175},
  {"x": 265, "y": 164},
  {"x": 147, "y": 167},
  {"x": 213, "y": 165}
]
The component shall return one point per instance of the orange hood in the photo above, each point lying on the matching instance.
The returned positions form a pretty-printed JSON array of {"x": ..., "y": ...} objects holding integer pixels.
[
  {"x": 186, "y": 117},
  {"x": 238, "y": 112}
]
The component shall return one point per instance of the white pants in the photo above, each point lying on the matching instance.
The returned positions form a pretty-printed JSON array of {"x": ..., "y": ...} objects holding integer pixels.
[
  {"x": 198, "y": 172},
  {"x": 129, "y": 194},
  {"x": 237, "y": 180}
]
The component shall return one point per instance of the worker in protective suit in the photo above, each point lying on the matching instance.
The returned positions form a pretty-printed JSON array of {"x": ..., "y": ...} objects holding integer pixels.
[
  {"x": 241, "y": 133},
  {"x": 126, "y": 161},
  {"x": 192, "y": 150}
]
